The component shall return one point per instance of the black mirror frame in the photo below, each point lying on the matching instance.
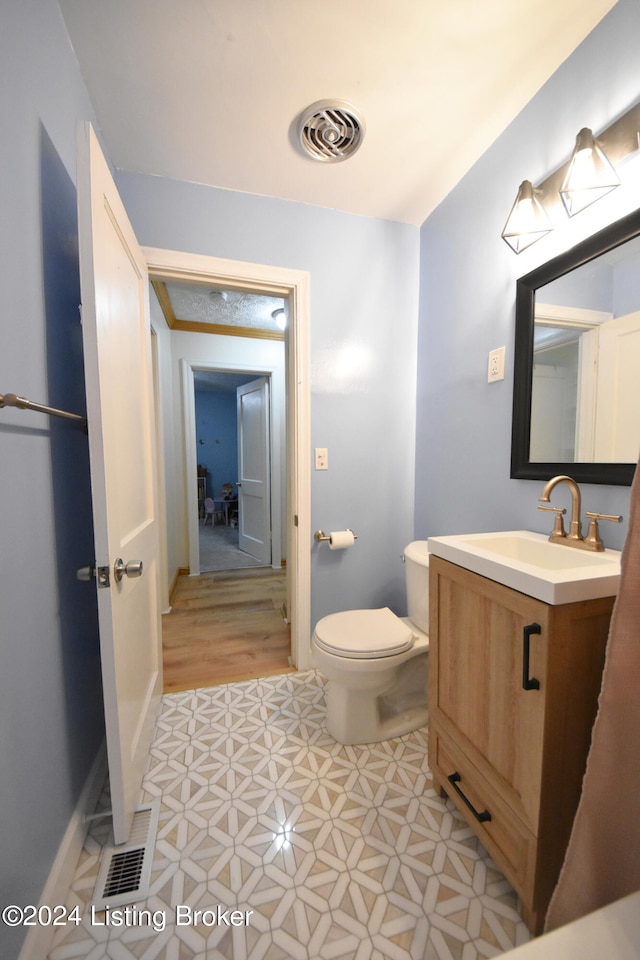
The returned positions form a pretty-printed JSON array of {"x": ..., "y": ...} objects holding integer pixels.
[{"x": 522, "y": 468}]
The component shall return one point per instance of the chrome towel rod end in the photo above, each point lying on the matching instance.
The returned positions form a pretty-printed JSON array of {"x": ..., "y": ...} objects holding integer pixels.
[{"x": 11, "y": 400}]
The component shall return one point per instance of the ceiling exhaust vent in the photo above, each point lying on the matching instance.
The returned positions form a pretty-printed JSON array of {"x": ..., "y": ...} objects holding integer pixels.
[{"x": 331, "y": 130}]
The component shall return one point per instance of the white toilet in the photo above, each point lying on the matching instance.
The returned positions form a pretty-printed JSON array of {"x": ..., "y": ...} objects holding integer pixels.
[{"x": 376, "y": 662}]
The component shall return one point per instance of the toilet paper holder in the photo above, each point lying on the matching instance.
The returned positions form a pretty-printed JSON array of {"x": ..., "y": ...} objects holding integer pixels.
[{"x": 322, "y": 537}]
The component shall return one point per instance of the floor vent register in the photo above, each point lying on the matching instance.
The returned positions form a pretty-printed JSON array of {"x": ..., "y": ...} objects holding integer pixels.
[{"x": 125, "y": 870}]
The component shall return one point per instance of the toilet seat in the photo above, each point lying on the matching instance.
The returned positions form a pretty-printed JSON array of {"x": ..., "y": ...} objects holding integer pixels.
[{"x": 363, "y": 634}]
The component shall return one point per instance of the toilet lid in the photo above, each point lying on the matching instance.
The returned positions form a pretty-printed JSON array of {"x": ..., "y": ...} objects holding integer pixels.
[{"x": 365, "y": 634}]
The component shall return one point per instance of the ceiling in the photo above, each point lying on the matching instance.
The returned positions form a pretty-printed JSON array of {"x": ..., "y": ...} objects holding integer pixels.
[
  {"x": 209, "y": 91},
  {"x": 199, "y": 306}
]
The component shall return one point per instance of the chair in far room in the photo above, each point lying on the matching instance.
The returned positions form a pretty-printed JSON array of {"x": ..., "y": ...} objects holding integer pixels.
[{"x": 210, "y": 511}]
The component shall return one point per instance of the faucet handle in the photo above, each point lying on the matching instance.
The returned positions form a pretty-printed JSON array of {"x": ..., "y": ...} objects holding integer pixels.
[
  {"x": 604, "y": 516},
  {"x": 593, "y": 535},
  {"x": 558, "y": 531}
]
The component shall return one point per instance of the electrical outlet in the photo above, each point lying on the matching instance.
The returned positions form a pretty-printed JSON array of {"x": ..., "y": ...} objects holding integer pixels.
[
  {"x": 496, "y": 365},
  {"x": 322, "y": 458}
]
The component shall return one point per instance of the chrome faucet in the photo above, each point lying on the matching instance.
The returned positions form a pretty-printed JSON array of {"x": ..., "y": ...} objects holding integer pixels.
[{"x": 574, "y": 538}]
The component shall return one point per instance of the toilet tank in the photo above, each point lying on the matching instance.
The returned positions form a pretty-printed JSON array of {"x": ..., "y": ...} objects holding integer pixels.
[{"x": 416, "y": 565}]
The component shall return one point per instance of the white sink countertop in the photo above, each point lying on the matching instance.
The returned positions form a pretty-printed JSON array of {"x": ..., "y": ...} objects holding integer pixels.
[{"x": 528, "y": 562}]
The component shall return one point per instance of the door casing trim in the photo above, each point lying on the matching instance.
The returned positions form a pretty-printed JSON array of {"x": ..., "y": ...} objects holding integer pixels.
[
  {"x": 293, "y": 286},
  {"x": 188, "y": 369}
]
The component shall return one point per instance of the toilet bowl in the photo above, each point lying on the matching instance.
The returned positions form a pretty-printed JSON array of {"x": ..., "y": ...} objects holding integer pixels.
[{"x": 376, "y": 662}]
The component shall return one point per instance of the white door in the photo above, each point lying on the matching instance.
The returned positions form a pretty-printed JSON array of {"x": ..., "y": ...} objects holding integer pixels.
[
  {"x": 119, "y": 379},
  {"x": 254, "y": 495},
  {"x": 617, "y": 432},
  {"x": 552, "y": 436}
]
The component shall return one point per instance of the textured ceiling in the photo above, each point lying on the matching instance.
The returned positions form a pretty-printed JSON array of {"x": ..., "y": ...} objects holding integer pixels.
[
  {"x": 210, "y": 90},
  {"x": 226, "y": 307}
]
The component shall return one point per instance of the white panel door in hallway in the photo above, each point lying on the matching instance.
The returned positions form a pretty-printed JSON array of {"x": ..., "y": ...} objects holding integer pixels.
[
  {"x": 617, "y": 433},
  {"x": 254, "y": 494},
  {"x": 120, "y": 411}
]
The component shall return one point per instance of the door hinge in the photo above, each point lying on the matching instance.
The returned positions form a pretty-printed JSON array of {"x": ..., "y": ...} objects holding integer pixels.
[{"x": 295, "y": 519}]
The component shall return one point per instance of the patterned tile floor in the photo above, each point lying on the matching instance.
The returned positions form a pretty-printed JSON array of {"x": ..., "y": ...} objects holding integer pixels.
[{"x": 328, "y": 852}]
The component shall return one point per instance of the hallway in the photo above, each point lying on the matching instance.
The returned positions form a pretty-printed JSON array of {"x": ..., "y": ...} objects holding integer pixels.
[
  {"x": 218, "y": 544},
  {"x": 226, "y": 627}
]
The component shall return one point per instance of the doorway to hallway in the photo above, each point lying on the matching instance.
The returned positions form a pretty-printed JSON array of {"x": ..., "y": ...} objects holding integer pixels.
[
  {"x": 294, "y": 540},
  {"x": 226, "y": 627},
  {"x": 239, "y": 469}
]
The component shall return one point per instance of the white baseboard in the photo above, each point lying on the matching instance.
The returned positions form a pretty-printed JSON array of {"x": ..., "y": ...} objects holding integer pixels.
[{"x": 38, "y": 939}]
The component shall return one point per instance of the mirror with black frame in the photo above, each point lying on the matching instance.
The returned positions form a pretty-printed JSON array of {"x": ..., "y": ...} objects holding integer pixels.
[{"x": 576, "y": 387}]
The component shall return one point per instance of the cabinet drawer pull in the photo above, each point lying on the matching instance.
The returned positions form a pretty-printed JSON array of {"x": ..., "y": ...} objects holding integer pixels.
[
  {"x": 454, "y": 780},
  {"x": 528, "y": 683}
]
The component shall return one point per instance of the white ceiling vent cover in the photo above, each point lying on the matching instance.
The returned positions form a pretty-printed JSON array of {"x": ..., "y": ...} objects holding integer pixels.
[
  {"x": 125, "y": 870},
  {"x": 331, "y": 130}
]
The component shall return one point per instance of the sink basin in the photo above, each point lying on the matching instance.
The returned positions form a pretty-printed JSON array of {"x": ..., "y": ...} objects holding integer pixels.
[{"x": 528, "y": 562}]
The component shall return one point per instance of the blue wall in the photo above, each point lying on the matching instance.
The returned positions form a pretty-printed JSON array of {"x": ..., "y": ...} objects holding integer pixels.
[
  {"x": 217, "y": 438},
  {"x": 51, "y": 721},
  {"x": 467, "y": 299},
  {"x": 364, "y": 305},
  {"x": 600, "y": 285}
]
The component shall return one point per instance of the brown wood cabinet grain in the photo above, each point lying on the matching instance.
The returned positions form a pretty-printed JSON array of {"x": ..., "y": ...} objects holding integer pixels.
[{"x": 512, "y": 759}]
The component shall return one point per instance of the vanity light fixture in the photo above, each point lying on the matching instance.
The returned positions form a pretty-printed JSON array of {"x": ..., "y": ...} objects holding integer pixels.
[
  {"x": 587, "y": 176},
  {"x": 590, "y": 174},
  {"x": 527, "y": 221}
]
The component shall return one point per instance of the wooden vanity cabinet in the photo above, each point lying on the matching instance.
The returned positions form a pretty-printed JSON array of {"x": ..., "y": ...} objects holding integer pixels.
[{"x": 513, "y": 691}]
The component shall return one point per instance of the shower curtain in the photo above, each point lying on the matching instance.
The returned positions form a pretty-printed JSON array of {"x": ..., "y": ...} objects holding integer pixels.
[{"x": 602, "y": 863}]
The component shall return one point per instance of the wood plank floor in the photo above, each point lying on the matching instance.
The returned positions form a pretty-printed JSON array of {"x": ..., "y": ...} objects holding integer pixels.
[{"x": 225, "y": 627}]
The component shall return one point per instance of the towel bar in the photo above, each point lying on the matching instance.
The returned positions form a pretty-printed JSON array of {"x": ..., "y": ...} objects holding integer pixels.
[{"x": 11, "y": 400}]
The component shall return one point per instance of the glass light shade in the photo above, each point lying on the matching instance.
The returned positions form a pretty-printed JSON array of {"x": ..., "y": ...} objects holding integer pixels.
[
  {"x": 280, "y": 318},
  {"x": 527, "y": 221},
  {"x": 590, "y": 174}
]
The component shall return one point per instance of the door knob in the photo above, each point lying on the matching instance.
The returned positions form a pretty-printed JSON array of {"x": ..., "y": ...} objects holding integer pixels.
[{"x": 131, "y": 569}]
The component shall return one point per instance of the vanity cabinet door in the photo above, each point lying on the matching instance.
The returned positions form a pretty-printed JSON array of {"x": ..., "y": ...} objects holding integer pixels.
[
  {"x": 478, "y": 697},
  {"x": 513, "y": 692}
]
